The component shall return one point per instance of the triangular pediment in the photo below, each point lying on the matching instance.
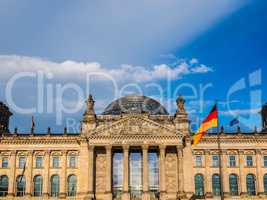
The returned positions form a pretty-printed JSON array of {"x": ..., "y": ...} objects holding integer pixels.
[{"x": 135, "y": 125}]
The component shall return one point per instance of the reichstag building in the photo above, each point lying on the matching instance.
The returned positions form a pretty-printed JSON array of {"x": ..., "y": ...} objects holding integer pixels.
[{"x": 134, "y": 150}]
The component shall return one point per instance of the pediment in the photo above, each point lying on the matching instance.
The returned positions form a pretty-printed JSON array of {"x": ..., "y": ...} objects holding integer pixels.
[{"x": 135, "y": 126}]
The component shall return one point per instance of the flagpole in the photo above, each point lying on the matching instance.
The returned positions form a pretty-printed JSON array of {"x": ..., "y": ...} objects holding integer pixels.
[{"x": 220, "y": 162}]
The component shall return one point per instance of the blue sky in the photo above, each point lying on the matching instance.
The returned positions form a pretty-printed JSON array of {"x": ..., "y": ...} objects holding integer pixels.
[{"x": 201, "y": 43}]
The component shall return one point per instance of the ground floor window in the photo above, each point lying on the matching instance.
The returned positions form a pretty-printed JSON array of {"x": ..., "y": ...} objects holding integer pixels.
[
  {"x": 3, "y": 186},
  {"x": 251, "y": 188},
  {"x": 216, "y": 188},
  {"x": 21, "y": 185},
  {"x": 199, "y": 185}
]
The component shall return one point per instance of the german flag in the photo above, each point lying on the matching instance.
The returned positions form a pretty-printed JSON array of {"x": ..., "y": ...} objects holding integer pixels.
[{"x": 211, "y": 121}]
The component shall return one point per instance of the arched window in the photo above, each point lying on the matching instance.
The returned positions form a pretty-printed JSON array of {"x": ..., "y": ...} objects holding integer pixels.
[
  {"x": 21, "y": 185},
  {"x": 72, "y": 185},
  {"x": 265, "y": 183},
  {"x": 3, "y": 186},
  {"x": 216, "y": 188},
  {"x": 199, "y": 185},
  {"x": 233, "y": 184},
  {"x": 38, "y": 186},
  {"x": 55, "y": 186},
  {"x": 251, "y": 189}
]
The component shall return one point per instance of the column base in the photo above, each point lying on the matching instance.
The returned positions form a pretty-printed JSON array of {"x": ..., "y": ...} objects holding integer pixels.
[
  {"x": 145, "y": 196},
  {"x": 90, "y": 196},
  {"x": 62, "y": 195},
  {"x": 108, "y": 196},
  {"x": 10, "y": 195},
  {"x": 125, "y": 196},
  {"x": 181, "y": 195},
  {"x": 208, "y": 195},
  {"x": 163, "y": 196}
]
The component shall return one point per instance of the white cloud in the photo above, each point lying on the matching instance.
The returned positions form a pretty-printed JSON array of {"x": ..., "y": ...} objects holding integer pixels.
[
  {"x": 193, "y": 61},
  {"x": 12, "y": 64},
  {"x": 201, "y": 69}
]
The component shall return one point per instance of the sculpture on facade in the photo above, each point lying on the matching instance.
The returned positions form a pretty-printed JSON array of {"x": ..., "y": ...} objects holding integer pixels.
[
  {"x": 180, "y": 104},
  {"x": 264, "y": 117}
]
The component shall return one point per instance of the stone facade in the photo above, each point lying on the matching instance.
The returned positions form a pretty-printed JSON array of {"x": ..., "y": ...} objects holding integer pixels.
[{"x": 87, "y": 157}]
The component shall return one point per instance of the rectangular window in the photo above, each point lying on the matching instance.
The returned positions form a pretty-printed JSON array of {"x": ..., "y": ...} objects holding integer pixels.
[
  {"x": 4, "y": 162},
  {"x": 72, "y": 161},
  {"x": 55, "y": 162},
  {"x": 22, "y": 162},
  {"x": 232, "y": 161},
  {"x": 198, "y": 161},
  {"x": 265, "y": 161},
  {"x": 39, "y": 162},
  {"x": 215, "y": 161},
  {"x": 249, "y": 161}
]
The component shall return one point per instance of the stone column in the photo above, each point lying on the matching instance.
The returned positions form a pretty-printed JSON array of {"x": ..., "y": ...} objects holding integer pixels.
[
  {"x": 180, "y": 171},
  {"x": 145, "y": 195},
  {"x": 12, "y": 176},
  {"x": 242, "y": 175},
  {"x": 162, "y": 172},
  {"x": 126, "y": 195},
  {"x": 207, "y": 177},
  {"x": 63, "y": 178},
  {"x": 46, "y": 174},
  {"x": 108, "y": 171},
  {"x": 259, "y": 175},
  {"x": 28, "y": 173},
  {"x": 91, "y": 171},
  {"x": 225, "y": 176}
]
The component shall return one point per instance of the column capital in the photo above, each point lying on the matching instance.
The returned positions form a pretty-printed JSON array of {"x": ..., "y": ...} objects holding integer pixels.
[
  {"x": 64, "y": 152},
  {"x": 145, "y": 147},
  {"x": 108, "y": 147},
  {"x": 179, "y": 147},
  {"x": 30, "y": 152},
  {"x": 47, "y": 152},
  {"x": 91, "y": 148},
  {"x": 13, "y": 153},
  {"x": 126, "y": 147},
  {"x": 162, "y": 147}
]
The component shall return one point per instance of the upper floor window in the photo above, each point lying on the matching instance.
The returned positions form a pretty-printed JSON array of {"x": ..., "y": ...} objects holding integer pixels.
[
  {"x": 265, "y": 161},
  {"x": 39, "y": 162},
  {"x": 22, "y": 162},
  {"x": 198, "y": 161},
  {"x": 215, "y": 161},
  {"x": 249, "y": 161},
  {"x": 232, "y": 161},
  {"x": 4, "y": 162},
  {"x": 72, "y": 161},
  {"x": 55, "y": 162}
]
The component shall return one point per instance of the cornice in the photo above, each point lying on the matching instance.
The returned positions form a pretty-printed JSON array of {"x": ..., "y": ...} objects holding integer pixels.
[
  {"x": 237, "y": 139},
  {"x": 27, "y": 139}
]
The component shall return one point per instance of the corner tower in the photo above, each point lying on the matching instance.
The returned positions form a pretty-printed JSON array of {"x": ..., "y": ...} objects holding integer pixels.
[{"x": 4, "y": 118}]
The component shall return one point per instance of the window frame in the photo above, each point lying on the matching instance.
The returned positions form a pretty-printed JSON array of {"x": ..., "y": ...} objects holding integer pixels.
[
  {"x": 54, "y": 165},
  {"x": 249, "y": 162},
  {"x": 3, "y": 162},
  {"x": 232, "y": 163},
  {"x": 21, "y": 163},
  {"x": 74, "y": 159},
  {"x": 215, "y": 162},
  {"x": 199, "y": 163},
  {"x": 37, "y": 164}
]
